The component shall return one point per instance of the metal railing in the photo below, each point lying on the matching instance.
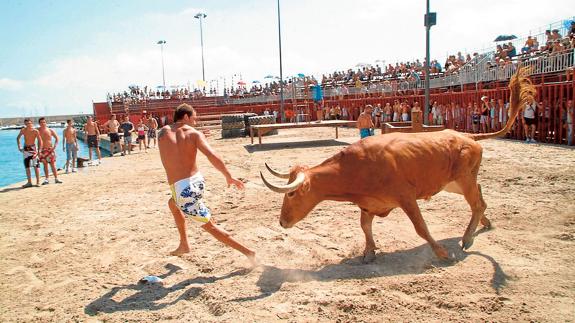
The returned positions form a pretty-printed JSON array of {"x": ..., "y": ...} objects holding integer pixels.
[{"x": 479, "y": 71}]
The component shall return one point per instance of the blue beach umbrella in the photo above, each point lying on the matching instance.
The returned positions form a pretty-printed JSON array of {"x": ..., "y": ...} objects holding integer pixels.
[{"x": 504, "y": 38}]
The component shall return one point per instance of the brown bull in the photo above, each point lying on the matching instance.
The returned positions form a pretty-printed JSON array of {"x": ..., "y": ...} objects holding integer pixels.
[{"x": 384, "y": 172}]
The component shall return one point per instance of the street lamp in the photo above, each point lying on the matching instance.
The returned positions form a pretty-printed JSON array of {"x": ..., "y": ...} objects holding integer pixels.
[
  {"x": 430, "y": 20},
  {"x": 282, "y": 115},
  {"x": 161, "y": 43},
  {"x": 200, "y": 16}
]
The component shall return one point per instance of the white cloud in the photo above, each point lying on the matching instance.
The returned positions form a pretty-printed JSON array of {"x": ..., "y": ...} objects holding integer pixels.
[{"x": 10, "y": 84}]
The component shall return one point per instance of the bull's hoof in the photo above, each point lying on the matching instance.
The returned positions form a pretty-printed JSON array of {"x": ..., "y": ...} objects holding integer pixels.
[
  {"x": 368, "y": 257},
  {"x": 466, "y": 243},
  {"x": 486, "y": 223}
]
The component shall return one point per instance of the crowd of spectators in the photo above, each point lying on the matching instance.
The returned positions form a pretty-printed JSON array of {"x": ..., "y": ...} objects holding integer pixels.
[{"x": 135, "y": 95}]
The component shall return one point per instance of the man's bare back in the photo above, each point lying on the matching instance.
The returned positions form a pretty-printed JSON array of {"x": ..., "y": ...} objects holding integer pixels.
[{"x": 178, "y": 145}]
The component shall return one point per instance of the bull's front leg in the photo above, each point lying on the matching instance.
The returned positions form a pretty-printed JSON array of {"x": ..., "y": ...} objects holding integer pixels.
[{"x": 366, "y": 225}]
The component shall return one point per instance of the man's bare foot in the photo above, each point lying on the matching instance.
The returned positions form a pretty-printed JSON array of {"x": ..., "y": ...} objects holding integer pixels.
[{"x": 180, "y": 251}]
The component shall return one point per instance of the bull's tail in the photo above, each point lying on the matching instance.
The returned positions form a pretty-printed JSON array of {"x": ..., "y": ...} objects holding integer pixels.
[{"x": 522, "y": 92}]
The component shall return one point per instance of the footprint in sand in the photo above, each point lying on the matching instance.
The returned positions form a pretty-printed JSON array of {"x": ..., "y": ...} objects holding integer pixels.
[{"x": 31, "y": 280}]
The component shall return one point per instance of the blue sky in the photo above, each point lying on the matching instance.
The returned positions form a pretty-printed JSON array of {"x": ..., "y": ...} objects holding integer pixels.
[{"x": 58, "y": 56}]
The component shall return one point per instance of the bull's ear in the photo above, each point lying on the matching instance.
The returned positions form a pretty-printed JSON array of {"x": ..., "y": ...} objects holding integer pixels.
[{"x": 306, "y": 186}]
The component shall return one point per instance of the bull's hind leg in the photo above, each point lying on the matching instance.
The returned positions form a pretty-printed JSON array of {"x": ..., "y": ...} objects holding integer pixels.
[
  {"x": 412, "y": 210},
  {"x": 453, "y": 187},
  {"x": 472, "y": 193},
  {"x": 366, "y": 226}
]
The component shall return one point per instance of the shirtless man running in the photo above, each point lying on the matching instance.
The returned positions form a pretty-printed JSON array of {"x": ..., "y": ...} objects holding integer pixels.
[
  {"x": 179, "y": 144},
  {"x": 365, "y": 123},
  {"x": 92, "y": 137},
  {"x": 48, "y": 151},
  {"x": 30, "y": 150}
]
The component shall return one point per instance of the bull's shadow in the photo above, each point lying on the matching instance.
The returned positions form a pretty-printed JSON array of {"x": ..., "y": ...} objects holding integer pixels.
[
  {"x": 294, "y": 145},
  {"x": 148, "y": 296},
  {"x": 411, "y": 261}
]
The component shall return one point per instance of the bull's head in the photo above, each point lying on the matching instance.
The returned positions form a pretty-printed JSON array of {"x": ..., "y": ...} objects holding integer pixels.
[{"x": 299, "y": 200}]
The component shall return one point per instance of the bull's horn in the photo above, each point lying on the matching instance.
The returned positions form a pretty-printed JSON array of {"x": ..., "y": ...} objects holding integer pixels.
[
  {"x": 276, "y": 173},
  {"x": 285, "y": 188}
]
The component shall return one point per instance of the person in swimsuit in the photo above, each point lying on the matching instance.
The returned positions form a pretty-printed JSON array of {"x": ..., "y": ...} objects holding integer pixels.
[
  {"x": 152, "y": 128},
  {"x": 484, "y": 120},
  {"x": 142, "y": 129},
  {"x": 30, "y": 151},
  {"x": 530, "y": 121},
  {"x": 179, "y": 144},
  {"x": 365, "y": 123},
  {"x": 92, "y": 137},
  {"x": 70, "y": 146},
  {"x": 48, "y": 151},
  {"x": 112, "y": 126}
]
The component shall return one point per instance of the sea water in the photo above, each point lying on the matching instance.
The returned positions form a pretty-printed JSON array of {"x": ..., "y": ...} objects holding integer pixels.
[{"x": 11, "y": 161}]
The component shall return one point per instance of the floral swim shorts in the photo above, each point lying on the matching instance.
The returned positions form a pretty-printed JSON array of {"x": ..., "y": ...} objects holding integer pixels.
[{"x": 188, "y": 194}]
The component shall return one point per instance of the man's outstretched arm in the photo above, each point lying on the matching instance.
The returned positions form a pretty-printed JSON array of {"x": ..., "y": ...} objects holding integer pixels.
[{"x": 214, "y": 159}]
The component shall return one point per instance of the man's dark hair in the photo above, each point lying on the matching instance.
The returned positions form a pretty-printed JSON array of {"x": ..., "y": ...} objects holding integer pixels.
[
  {"x": 27, "y": 120},
  {"x": 40, "y": 120},
  {"x": 182, "y": 110},
  {"x": 69, "y": 120}
]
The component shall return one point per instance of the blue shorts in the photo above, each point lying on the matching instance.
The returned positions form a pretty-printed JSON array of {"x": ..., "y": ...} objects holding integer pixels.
[
  {"x": 71, "y": 151},
  {"x": 365, "y": 132}
]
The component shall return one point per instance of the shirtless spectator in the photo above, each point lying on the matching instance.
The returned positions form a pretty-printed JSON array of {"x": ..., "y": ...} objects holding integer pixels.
[
  {"x": 152, "y": 128},
  {"x": 365, "y": 123},
  {"x": 475, "y": 118},
  {"x": 92, "y": 137},
  {"x": 387, "y": 112},
  {"x": 30, "y": 150},
  {"x": 142, "y": 129},
  {"x": 179, "y": 144},
  {"x": 70, "y": 146},
  {"x": 48, "y": 151},
  {"x": 493, "y": 115},
  {"x": 377, "y": 115},
  {"x": 405, "y": 112},
  {"x": 127, "y": 127},
  {"x": 112, "y": 126},
  {"x": 396, "y": 111}
]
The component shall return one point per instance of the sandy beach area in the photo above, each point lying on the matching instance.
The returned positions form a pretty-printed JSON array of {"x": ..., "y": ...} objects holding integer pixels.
[{"x": 76, "y": 251}]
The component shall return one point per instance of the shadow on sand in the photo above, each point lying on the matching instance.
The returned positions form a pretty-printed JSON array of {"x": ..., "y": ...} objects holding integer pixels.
[
  {"x": 401, "y": 262},
  {"x": 295, "y": 144},
  {"x": 10, "y": 189},
  {"x": 148, "y": 296}
]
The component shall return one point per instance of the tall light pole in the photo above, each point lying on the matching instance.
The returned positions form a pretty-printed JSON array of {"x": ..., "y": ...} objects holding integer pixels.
[
  {"x": 161, "y": 43},
  {"x": 282, "y": 114},
  {"x": 430, "y": 20},
  {"x": 200, "y": 16}
]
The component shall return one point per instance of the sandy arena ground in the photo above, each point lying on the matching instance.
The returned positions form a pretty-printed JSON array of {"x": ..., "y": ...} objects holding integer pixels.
[{"x": 75, "y": 252}]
